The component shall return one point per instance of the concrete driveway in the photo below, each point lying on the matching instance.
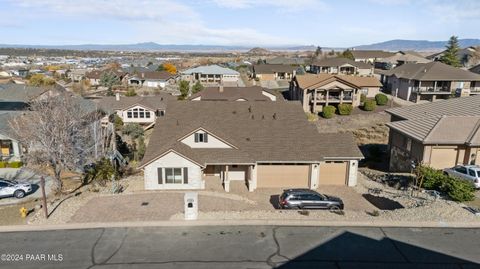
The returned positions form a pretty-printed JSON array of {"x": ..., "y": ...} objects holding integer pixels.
[{"x": 24, "y": 175}]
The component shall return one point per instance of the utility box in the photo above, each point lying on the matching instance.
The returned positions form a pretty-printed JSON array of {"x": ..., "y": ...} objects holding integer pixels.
[{"x": 191, "y": 205}]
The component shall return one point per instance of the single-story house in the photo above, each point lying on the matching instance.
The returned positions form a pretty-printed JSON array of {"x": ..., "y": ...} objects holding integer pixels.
[
  {"x": 17, "y": 96},
  {"x": 221, "y": 93},
  {"x": 135, "y": 109},
  {"x": 401, "y": 57},
  {"x": 440, "y": 134},
  {"x": 370, "y": 56},
  {"x": 341, "y": 66},
  {"x": 10, "y": 148},
  {"x": 76, "y": 75},
  {"x": 153, "y": 79},
  {"x": 285, "y": 60},
  {"x": 429, "y": 81},
  {"x": 317, "y": 91},
  {"x": 94, "y": 76},
  {"x": 211, "y": 75},
  {"x": 266, "y": 72},
  {"x": 254, "y": 144}
]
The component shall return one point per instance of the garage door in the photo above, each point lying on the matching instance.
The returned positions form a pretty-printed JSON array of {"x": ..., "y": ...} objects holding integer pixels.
[
  {"x": 283, "y": 176},
  {"x": 333, "y": 173},
  {"x": 443, "y": 158}
]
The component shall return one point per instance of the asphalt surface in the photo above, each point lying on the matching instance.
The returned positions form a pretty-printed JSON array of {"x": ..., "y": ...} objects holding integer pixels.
[
  {"x": 24, "y": 175},
  {"x": 242, "y": 247}
]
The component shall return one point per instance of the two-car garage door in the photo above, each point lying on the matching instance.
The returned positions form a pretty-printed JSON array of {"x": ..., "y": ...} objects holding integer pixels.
[
  {"x": 298, "y": 176},
  {"x": 443, "y": 157},
  {"x": 283, "y": 176},
  {"x": 333, "y": 173}
]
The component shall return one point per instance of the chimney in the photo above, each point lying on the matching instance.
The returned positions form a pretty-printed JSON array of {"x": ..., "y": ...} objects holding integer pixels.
[
  {"x": 117, "y": 96},
  {"x": 220, "y": 88}
]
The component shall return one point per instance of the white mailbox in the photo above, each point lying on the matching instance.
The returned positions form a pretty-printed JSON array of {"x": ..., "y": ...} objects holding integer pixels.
[{"x": 191, "y": 205}]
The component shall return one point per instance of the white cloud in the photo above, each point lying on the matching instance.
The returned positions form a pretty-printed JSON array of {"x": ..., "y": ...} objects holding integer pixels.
[
  {"x": 282, "y": 5},
  {"x": 153, "y": 20}
]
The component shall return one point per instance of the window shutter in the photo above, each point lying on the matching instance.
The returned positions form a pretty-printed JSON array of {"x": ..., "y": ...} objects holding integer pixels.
[
  {"x": 185, "y": 175},
  {"x": 196, "y": 138},
  {"x": 160, "y": 176},
  {"x": 205, "y": 137}
]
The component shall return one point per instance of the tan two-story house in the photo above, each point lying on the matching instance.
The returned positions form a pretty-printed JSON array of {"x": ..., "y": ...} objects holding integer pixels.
[
  {"x": 430, "y": 81},
  {"x": 318, "y": 91}
]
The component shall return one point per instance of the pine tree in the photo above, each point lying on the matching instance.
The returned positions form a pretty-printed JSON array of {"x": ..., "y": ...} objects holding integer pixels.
[{"x": 450, "y": 54}]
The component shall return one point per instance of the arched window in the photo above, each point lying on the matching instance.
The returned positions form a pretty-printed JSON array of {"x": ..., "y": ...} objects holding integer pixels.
[{"x": 138, "y": 113}]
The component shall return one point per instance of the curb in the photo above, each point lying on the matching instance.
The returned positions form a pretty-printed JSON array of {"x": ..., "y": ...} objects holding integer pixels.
[{"x": 196, "y": 223}]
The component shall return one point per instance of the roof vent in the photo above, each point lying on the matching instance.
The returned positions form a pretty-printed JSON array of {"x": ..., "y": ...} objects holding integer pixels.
[
  {"x": 252, "y": 117},
  {"x": 248, "y": 138},
  {"x": 234, "y": 112},
  {"x": 178, "y": 123},
  {"x": 263, "y": 117},
  {"x": 274, "y": 116},
  {"x": 250, "y": 109}
]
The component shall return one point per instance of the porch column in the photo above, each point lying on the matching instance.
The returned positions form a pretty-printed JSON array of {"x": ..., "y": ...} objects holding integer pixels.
[
  {"x": 16, "y": 149},
  {"x": 435, "y": 86},
  {"x": 226, "y": 180},
  {"x": 419, "y": 86},
  {"x": 327, "y": 96},
  {"x": 341, "y": 97},
  {"x": 315, "y": 101}
]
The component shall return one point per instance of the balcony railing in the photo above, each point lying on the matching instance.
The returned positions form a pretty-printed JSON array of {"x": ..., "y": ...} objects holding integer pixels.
[{"x": 432, "y": 90}]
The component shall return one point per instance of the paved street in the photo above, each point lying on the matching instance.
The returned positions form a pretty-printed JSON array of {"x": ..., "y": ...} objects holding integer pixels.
[{"x": 243, "y": 247}]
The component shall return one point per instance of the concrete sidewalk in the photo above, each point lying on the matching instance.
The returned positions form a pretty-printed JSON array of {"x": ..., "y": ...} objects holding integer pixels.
[{"x": 306, "y": 223}]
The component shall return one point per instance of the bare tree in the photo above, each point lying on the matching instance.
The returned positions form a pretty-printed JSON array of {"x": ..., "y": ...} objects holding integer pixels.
[{"x": 60, "y": 131}]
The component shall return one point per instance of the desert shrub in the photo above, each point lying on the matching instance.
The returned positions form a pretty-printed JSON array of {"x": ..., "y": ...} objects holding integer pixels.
[
  {"x": 104, "y": 171},
  {"x": 345, "y": 109},
  {"x": 3, "y": 164},
  {"x": 457, "y": 189},
  {"x": 381, "y": 99},
  {"x": 369, "y": 105},
  {"x": 131, "y": 92},
  {"x": 312, "y": 117},
  {"x": 117, "y": 121},
  {"x": 328, "y": 112},
  {"x": 15, "y": 164},
  {"x": 133, "y": 130},
  {"x": 363, "y": 98}
]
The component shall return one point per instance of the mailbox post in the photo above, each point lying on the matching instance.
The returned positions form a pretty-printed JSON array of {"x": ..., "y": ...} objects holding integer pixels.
[{"x": 191, "y": 205}]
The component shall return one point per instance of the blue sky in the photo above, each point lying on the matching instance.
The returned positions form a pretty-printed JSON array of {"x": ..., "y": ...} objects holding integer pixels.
[{"x": 235, "y": 22}]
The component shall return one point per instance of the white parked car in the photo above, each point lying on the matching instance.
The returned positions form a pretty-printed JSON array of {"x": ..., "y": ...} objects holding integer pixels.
[
  {"x": 12, "y": 188},
  {"x": 467, "y": 172}
]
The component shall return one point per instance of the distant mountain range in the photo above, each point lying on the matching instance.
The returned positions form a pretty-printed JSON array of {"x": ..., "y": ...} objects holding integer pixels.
[
  {"x": 391, "y": 45},
  {"x": 417, "y": 45}
]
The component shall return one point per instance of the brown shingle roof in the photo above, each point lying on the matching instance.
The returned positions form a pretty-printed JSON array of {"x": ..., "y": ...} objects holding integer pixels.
[
  {"x": 260, "y": 132},
  {"x": 441, "y": 130},
  {"x": 253, "y": 93},
  {"x": 365, "y": 54},
  {"x": 154, "y": 75},
  {"x": 110, "y": 104},
  {"x": 273, "y": 68},
  {"x": 432, "y": 71},
  {"x": 341, "y": 61},
  {"x": 311, "y": 81},
  {"x": 463, "y": 106}
]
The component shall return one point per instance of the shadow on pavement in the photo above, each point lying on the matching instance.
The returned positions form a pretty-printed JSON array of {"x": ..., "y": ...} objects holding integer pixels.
[
  {"x": 382, "y": 203},
  {"x": 350, "y": 250}
]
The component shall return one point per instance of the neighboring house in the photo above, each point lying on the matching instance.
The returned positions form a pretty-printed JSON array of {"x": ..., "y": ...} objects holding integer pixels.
[
  {"x": 468, "y": 57},
  {"x": 95, "y": 75},
  {"x": 317, "y": 91},
  {"x": 285, "y": 61},
  {"x": 15, "y": 97},
  {"x": 135, "y": 109},
  {"x": 440, "y": 134},
  {"x": 76, "y": 75},
  {"x": 271, "y": 72},
  {"x": 370, "y": 56},
  {"x": 245, "y": 144},
  {"x": 211, "y": 75},
  {"x": 254, "y": 93},
  {"x": 401, "y": 57},
  {"x": 475, "y": 69},
  {"x": 341, "y": 66},
  {"x": 429, "y": 81},
  {"x": 10, "y": 149},
  {"x": 153, "y": 79}
]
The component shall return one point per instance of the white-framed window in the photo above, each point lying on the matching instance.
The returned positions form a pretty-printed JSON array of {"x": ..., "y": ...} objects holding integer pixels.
[
  {"x": 138, "y": 113},
  {"x": 201, "y": 137},
  {"x": 173, "y": 176}
]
